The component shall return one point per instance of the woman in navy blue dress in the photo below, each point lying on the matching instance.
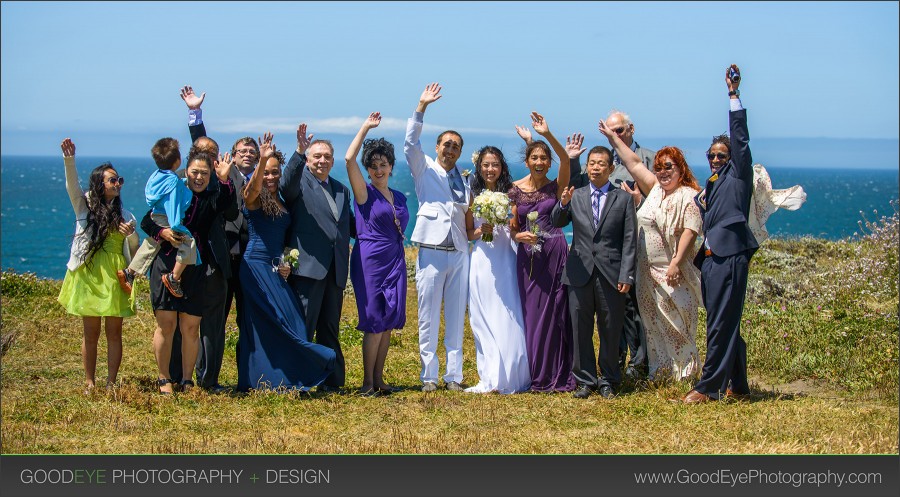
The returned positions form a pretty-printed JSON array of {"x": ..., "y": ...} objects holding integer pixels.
[{"x": 274, "y": 349}]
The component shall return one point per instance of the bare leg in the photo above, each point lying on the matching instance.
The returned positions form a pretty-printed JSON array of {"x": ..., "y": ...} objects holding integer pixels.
[
  {"x": 380, "y": 359},
  {"x": 190, "y": 344},
  {"x": 113, "y": 348},
  {"x": 162, "y": 344},
  {"x": 89, "y": 341},
  {"x": 177, "y": 270}
]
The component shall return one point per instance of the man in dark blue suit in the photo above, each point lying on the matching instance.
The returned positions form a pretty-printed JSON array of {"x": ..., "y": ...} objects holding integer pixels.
[
  {"x": 725, "y": 256},
  {"x": 322, "y": 223}
]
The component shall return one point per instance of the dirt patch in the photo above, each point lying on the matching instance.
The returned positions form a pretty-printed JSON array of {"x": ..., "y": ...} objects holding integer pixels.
[{"x": 801, "y": 387}]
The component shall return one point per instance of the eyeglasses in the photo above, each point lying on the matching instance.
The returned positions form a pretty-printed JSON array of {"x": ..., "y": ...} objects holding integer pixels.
[
  {"x": 667, "y": 166},
  {"x": 248, "y": 151},
  {"x": 619, "y": 131},
  {"x": 719, "y": 156},
  {"x": 118, "y": 180}
]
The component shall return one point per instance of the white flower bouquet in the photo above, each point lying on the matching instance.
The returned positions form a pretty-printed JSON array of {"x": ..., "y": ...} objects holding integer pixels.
[{"x": 494, "y": 208}]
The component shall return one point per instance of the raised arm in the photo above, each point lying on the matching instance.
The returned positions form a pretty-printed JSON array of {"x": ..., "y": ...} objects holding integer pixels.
[
  {"x": 252, "y": 190},
  {"x": 737, "y": 122},
  {"x": 542, "y": 128},
  {"x": 291, "y": 186},
  {"x": 195, "y": 114},
  {"x": 412, "y": 145},
  {"x": 76, "y": 195},
  {"x": 354, "y": 172},
  {"x": 644, "y": 178}
]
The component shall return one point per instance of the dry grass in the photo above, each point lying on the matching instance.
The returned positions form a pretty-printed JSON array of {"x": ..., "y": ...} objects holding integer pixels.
[{"x": 44, "y": 410}]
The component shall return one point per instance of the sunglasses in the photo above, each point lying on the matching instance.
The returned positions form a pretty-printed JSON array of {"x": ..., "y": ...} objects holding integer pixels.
[
  {"x": 668, "y": 166},
  {"x": 119, "y": 180},
  {"x": 719, "y": 156},
  {"x": 619, "y": 131}
]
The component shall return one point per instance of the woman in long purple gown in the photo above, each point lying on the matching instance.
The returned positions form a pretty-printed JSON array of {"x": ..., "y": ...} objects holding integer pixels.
[
  {"x": 540, "y": 260},
  {"x": 378, "y": 262}
]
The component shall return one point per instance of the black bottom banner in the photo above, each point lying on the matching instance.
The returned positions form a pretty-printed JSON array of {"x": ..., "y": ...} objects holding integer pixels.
[{"x": 447, "y": 475}]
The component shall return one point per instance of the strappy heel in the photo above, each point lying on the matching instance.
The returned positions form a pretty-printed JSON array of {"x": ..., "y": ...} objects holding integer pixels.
[
  {"x": 186, "y": 385},
  {"x": 161, "y": 382}
]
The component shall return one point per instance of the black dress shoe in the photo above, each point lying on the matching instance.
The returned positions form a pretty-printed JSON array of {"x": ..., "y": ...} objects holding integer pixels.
[
  {"x": 582, "y": 392},
  {"x": 328, "y": 389},
  {"x": 606, "y": 392}
]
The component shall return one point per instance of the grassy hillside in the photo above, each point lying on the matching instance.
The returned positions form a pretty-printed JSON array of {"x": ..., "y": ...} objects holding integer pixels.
[{"x": 820, "y": 323}]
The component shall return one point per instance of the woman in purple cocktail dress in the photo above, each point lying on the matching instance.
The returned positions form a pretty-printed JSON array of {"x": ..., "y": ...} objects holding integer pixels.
[
  {"x": 378, "y": 262},
  {"x": 540, "y": 261}
]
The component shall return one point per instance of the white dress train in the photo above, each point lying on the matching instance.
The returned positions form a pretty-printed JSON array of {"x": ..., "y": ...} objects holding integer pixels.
[{"x": 495, "y": 315}]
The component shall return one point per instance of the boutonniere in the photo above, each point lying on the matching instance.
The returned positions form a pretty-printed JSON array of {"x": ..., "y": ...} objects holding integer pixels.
[
  {"x": 714, "y": 177},
  {"x": 465, "y": 173}
]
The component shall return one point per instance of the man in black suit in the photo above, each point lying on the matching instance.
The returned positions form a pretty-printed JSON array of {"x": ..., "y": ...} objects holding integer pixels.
[
  {"x": 725, "y": 256},
  {"x": 599, "y": 271},
  {"x": 321, "y": 226}
]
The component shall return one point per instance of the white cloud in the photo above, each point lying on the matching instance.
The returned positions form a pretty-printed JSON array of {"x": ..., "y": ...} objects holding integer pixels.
[{"x": 340, "y": 125}]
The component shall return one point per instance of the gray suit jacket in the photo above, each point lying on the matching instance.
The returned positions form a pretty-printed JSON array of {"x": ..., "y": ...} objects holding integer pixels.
[
  {"x": 320, "y": 237},
  {"x": 619, "y": 175},
  {"x": 610, "y": 247}
]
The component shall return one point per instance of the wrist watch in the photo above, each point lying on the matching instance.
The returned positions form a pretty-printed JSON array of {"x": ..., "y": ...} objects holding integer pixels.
[{"x": 735, "y": 93}]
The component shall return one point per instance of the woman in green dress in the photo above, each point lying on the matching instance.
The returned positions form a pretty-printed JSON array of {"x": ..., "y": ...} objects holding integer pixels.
[{"x": 104, "y": 242}]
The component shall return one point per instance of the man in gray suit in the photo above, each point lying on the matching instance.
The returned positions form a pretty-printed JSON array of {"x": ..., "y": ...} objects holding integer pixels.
[
  {"x": 321, "y": 226},
  {"x": 599, "y": 271}
]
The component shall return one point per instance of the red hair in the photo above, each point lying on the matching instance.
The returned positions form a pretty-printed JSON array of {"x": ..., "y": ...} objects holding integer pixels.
[{"x": 675, "y": 154}]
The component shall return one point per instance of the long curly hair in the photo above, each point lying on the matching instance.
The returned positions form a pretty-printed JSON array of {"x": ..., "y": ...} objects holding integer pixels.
[
  {"x": 266, "y": 199},
  {"x": 504, "y": 181},
  {"x": 677, "y": 156},
  {"x": 103, "y": 216}
]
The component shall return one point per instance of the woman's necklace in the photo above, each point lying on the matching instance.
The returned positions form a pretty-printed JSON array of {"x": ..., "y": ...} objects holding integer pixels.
[{"x": 393, "y": 209}]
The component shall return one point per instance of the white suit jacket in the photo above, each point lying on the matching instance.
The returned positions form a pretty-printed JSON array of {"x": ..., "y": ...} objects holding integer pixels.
[{"x": 438, "y": 213}]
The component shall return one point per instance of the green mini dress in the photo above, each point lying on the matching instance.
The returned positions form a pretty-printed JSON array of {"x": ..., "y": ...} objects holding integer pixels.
[{"x": 93, "y": 289}]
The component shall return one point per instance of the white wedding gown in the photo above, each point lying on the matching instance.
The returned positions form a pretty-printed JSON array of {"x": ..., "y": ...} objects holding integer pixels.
[{"x": 495, "y": 314}]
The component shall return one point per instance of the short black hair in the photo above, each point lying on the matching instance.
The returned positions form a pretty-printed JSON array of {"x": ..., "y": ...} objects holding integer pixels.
[
  {"x": 461, "y": 142},
  {"x": 379, "y": 146}
]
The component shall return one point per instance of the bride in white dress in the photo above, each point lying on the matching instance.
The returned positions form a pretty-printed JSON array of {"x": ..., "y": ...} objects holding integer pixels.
[{"x": 495, "y": 310}]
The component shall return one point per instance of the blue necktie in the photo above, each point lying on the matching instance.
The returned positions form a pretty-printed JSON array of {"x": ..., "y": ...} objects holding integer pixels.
[
  {"x": 456, "y": 185},
  {"x": 595, "y": 206}
]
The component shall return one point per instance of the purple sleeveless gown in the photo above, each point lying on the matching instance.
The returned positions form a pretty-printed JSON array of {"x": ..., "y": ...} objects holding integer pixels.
[{"x": 545, "y": 302}]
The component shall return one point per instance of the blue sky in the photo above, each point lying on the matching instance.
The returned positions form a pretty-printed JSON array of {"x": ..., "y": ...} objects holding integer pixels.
[{"x": 108, "y": 74}]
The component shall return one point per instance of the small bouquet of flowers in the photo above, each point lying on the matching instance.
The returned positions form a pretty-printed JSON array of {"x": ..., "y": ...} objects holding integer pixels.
[
  {"x": 533, "y": 227},
  {"x": 291, "y": 257},
  {"x": 494, "y": 208}
]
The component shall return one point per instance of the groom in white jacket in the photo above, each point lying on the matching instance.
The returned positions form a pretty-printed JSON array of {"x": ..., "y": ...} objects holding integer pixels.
[{"x": 442, "y": 268}]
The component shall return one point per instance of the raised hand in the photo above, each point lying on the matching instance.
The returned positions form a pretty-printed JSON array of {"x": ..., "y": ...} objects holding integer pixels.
[
  {"x": 191, "y": 99},
  {"x": 566, "y": 196},
  {"x": 732, "y": 85},
  {"x": 223, "y": 166},
  {"x": 539, "y": 124},
  {"x": 267, "y": 148},
  {"x": 68, "y": 148},
  {"x": 373, "y": 120},
  {"x": 605, "y": 131},
  {"x": 432, "y": 93},
  {"x": 524, "y": 133},
  {"x": 303, "y": 140},
  {"x": 573, "y": 145}
]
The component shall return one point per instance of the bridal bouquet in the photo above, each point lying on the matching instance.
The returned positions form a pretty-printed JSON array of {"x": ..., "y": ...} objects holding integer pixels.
[{"x": 494, "y": 208}]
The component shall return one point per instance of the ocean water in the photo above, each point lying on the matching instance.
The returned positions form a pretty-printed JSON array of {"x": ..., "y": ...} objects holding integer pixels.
[{"x": 37, "y": 221}]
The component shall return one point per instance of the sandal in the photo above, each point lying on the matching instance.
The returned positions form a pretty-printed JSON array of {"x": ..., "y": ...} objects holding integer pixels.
[
  {"x": 161, "y": 382},
  {"x": 172, "y": 285},
  {"x": 186, "y": 385}
]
